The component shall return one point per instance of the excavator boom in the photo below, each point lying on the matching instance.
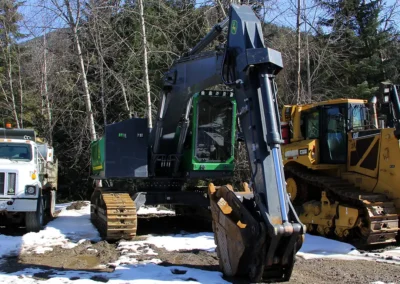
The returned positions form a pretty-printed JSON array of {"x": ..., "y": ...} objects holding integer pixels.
[{"x": 258, "y": 233}]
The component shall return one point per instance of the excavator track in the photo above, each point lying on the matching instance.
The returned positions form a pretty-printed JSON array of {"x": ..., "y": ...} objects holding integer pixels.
[
  {"x": 377, "y": 218},
  {"x": 113, "y": 214}
]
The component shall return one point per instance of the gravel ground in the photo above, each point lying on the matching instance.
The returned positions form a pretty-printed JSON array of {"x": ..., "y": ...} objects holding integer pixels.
[{"x": 88, "y": 256}]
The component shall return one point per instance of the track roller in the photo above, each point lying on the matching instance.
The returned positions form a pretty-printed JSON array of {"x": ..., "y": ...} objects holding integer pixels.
[{"x": 113, "y": 214}]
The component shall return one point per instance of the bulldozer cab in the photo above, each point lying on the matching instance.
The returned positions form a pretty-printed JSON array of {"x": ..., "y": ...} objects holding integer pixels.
[
  {"x": 323, "y": 128},
  {"x": 328, "y": 125}
]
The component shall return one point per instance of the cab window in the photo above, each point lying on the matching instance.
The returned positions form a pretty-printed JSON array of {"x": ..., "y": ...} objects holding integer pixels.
[
  {"x": 312, "y": 125},
  {"x": 357, "y": 117},
  {"x": 16, "y": 151}
]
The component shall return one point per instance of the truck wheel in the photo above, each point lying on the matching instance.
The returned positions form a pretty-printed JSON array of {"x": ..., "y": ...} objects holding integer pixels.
[{"x": 34, "y": 220}]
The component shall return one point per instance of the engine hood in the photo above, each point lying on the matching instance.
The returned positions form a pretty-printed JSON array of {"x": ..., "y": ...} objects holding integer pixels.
[{"x": 6, "y": 164}]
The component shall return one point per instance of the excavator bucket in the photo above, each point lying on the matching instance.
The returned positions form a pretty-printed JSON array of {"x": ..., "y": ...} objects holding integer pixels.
[
  {"x": 237, "y": 234},
  {"x": 241, "y": 237}
]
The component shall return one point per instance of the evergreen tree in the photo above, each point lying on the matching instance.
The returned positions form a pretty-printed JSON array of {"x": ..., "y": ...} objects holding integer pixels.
[
  {"x": 9, "y": 70},
  {"x": 354, "y": 28}
]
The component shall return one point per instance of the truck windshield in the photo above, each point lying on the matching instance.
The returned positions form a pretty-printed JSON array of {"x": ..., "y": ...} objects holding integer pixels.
[{"x": 15, "y": 151}]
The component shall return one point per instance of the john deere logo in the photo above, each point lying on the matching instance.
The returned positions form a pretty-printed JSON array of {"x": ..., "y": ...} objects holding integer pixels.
[{"x": 234, "y": 27}]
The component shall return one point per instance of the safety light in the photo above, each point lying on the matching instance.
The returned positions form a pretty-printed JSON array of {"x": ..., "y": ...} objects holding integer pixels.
[
  {"x": 8, "y": 125},
  {"x": 33, "y": 176}
]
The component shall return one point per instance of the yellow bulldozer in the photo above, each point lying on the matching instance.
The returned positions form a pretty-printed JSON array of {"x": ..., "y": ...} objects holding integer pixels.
[{"x": 342, "y": 166}]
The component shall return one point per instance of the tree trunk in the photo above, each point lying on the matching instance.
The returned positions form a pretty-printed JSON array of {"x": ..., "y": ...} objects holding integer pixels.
[
  {"x": 309, "y": 92},
  {"x": 125, "y": 96},
  {"x": 46, "y": 92},
  {"x": 222, "y": 8},
  {"x": 21, "y": 91},
  {"x": 146, "y": 71},
  {"x": 10, "y": 79},
  {"x": 103, "y": 104},
  {"x": 298, "y": 54},
  {"x": 88, "y": 103}
]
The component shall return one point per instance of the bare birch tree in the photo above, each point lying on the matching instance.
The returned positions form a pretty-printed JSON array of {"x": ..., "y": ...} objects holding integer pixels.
[
  {"x": 45, "y": 90},
  {"x": 298, "y": 32},
  {"x": 309, "y": 92},
  {"x": 21, "y": 90},
  {"x": 145, "y": 64},
  {"x": 71, "y": 15},
  {"x": 9, "y": 19}
]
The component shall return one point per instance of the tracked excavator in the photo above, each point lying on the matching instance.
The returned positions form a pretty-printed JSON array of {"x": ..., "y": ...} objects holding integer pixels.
[
  {"x": 257, "y": 232},
  {"x": 341, "y": 159}
]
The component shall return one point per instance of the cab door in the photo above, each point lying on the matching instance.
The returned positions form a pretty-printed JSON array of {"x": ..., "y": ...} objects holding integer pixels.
[{"x": 333, "y": 137}]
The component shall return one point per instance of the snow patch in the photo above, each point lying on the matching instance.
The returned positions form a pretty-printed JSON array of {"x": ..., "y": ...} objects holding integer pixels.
[
  {"x": 145, "y": 210},
  {"x": 389, "y": 256},
  {"x": 200, "y": 241},
  {"x": 9, "y": 245},
  {"x": 69, "y": 229},
  {"x": 319, "y": 247},
  {"x": 135, "y": 248}
]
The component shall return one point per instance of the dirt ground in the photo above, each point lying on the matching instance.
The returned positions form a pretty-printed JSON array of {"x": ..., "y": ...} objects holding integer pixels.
[
  {"x": 76, "y": 205},
  {"x": 95, "y": 257},
  {"x": 344, "y": 271},
  {"x": 305, "y": 271},
  {"x": 84, "y": 257}
]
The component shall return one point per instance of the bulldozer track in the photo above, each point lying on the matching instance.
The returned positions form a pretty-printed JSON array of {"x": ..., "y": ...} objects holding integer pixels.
[
  {"x": 114, "y": 215},
  {"x": 378, "y": 214}
]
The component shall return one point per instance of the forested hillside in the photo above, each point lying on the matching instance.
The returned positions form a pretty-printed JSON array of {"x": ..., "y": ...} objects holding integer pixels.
[{"x": 99, "y": 62}]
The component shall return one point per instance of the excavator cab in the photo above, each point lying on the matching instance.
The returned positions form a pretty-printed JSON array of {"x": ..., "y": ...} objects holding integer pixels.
[{"x": 212, "y": 134}]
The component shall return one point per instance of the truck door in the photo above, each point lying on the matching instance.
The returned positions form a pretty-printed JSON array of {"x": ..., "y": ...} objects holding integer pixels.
[{"x": 333, "y": 139}]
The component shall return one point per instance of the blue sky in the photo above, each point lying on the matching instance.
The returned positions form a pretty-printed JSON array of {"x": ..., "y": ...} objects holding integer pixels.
[{"x": 37, "y": 15}]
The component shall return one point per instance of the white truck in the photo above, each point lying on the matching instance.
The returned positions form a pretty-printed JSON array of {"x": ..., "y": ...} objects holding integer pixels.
[{"x": 28, "y": 179}]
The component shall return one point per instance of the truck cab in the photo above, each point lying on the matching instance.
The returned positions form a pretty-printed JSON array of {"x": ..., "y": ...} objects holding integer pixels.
[{"x": 28, "y": 179}]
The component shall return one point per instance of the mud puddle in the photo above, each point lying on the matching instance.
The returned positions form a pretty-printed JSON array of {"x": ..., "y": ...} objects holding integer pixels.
[
  {"x": 77, "y": 205},
  {"x": 86, "y": 256}
]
